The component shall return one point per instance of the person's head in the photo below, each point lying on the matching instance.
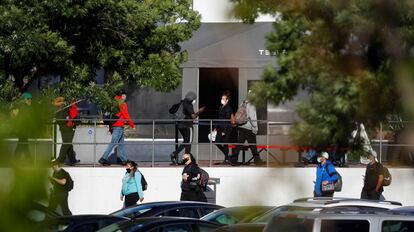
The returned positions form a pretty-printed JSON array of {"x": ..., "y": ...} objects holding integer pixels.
[
  {"x": 191, "y": 96},
  {"x": 56, "y": 165},
  {"x": 225, "y": 97},
  {"x": 188, "y": 158},
  {"x": 323, "y": 157},
  {"x": 121, "y": 96},
  {"x": 58, "y": 102},
  {"x": 131, "y": 167},
  {"x": 373, "y": 157},
  {"x": 27, "y": 97}
]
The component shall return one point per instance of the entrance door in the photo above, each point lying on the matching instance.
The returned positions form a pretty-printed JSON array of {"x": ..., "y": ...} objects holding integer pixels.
[{"x": 212, "y": 83}]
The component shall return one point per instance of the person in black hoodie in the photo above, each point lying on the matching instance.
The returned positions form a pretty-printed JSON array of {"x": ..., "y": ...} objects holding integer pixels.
[
  {"x": 191, "y": 175},
  {"x": 224, "y": 127},
  {"x": 186, "y": 127}
]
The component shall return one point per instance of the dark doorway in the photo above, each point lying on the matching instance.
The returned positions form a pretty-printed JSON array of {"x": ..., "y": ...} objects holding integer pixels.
[{"x": 212, "y": 83}]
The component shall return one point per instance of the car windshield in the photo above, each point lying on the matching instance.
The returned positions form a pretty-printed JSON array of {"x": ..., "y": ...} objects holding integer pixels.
[
  {"x": 269, "y": 214},
  {"x": 291, "y": 224},
  {"x": 133, "y": 212},
  {"x": 234, "y": 216}
]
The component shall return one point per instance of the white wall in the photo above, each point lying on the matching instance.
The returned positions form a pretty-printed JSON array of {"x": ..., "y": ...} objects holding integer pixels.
[
  {"x": 219, "y": 11},
  {"x": 97, "y": 190}
]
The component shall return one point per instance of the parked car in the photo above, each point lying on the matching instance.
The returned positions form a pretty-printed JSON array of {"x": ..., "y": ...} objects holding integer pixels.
[
  {"x": 79, "y": 223},
  {"x": 315, "y": 204},
  {"x": 39, "y": 213},
  {"x": 235, "y": 215},
  {"x": 168, "y": 208},
  {"x": 162, "y": 224},
  {"x": 343, "y": 218}
]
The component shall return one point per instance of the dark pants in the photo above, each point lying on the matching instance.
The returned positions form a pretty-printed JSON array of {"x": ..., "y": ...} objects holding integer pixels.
[
  {"x": 22, "y": 149},
  {"x": 243, "y": 135},
  {"x": 67, "y": 147},
  {"x": 370, "y": 194},
  {"x": 131, "y": 199},
  {"x": 223, "y": 139},
  {"x": 187, "y": 133},
  {"x": 191, "y": 195},
  {"x": 59, "y": 199}
]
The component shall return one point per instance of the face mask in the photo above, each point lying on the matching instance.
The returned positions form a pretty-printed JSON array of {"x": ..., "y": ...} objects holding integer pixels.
[
  {"x": 128, "y": 170},
  {"x": 185, "y": 160},
  {"x": 318, "y": 159},
  {"x": 193, "y": 102},
  {"x": 223, "y": 102}
]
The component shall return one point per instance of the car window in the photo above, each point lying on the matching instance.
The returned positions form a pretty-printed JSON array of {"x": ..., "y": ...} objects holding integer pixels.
[
  {"x": 87, "y": 227},
  {"x": 182, "y": 212},
  {"x": 204, "y": 211},
  {"x": 345, "y": 225},
  {"x": 226, "y": 219},
  {"x": 133, "y": 212},
  {"x": 176, "y": 228},
  {"x": 397, "y": 226},
  {"x": 295, "y": 224}
]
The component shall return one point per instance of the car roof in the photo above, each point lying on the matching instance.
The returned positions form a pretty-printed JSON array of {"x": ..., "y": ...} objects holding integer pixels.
[
  {"x": 90, "y": 217},
  {"x": 167, "y": 204},
  {"x": 337, "y": 201}
]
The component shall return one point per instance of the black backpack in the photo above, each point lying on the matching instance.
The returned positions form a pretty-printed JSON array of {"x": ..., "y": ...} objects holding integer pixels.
[
  {"x": 144, "y": 183},
  {"x": 204, "y": 177},
  {"x": 177, "y": 110},
  {"x": 69, "y": 184}
]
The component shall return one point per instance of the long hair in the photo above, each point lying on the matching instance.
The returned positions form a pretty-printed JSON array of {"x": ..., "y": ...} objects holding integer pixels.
[
  {"x": 134, "y": 166},
  {"x": 193, "y": 160}
]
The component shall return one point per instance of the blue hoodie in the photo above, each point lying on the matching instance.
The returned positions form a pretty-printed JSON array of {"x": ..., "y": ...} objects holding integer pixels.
[
  {"x": 132, "y": 185},
  {"x": 322, "y": 175}
]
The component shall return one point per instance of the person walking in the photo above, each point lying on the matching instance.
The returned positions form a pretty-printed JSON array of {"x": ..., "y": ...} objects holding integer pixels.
[
  {"x": 186, "y": 127},
  {"x": 374, "y": 179},
  {"x": 247, "y": 132},
  {"x": 67, "y": 125},
  {"x": 131, "y": 185},
  {"x": 62, "y": 183},
  {"x": 191, "y": 175},
  {"x": 117, "y": 130},
  {"x": 224, "y": 127},
  {"x": 325, "y": 175}
]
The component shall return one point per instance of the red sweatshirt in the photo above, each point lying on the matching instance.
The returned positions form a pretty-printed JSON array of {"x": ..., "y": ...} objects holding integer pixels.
[{"x": 123, "y": 116}]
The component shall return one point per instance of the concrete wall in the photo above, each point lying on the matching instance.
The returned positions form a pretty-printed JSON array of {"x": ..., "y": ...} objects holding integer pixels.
[{"x": 97, "y": 190}]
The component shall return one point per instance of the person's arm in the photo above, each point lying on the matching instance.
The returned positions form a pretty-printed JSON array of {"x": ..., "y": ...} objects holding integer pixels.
[
  {"x": 196, "y": 114},
  {"x": 138, "y": 178},
  {"x": 125, "y": 115},
  {"x": 380, "y": 181},
  {"x": 333, "y": 176},
  {"x": 59, "y": 181}
]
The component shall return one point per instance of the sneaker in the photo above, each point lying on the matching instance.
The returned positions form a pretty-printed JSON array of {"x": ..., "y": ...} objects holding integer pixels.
[
  {"x": 173, "y": 157},
  {"x": 104, "y": 162}
]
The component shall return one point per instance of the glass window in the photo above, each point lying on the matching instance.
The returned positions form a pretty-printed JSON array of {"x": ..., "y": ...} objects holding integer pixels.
[
  {"x": 282, "y": 224},
  {"x": 133, "y": 212},
  {"x": 183, "y": 212},
  {"x": 226, "y": 219},
  {"x": 344, "y": 225},
  {"x": 176, "y": 228},
  {"x": 205, "y": 211},
  {"x": 397, "y": 226}
]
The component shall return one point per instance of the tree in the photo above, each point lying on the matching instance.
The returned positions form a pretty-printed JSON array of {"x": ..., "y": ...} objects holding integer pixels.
[
  {"x": 348, "y": 55},
  {"x": 134, "y": 41}
]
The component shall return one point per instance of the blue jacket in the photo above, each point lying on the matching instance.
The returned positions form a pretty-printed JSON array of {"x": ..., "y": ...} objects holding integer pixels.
[
  {"x": 322, "y": 175},
  {"x": 132, "y": 185}
]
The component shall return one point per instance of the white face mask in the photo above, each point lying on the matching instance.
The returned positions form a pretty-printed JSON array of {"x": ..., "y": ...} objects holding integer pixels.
[
  {"x": 193, "y": 102},
  {"x": 223, "y": 102},
  {"x": 318, "y": 159}
]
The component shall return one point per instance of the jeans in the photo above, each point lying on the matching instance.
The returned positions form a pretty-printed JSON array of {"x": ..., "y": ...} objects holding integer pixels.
[{"x": 117, "y": 140}]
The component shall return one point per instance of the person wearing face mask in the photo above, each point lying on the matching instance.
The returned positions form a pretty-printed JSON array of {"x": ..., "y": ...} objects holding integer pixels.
[
  {"x": 224, "y": 127},
  {"x": 374, "y": 179},
  {"x": 131, "y": 185},
  {"x": 325, "y": 174},
  {"x": 190, "y": 188},
  {"x": 186, "y": 127}
]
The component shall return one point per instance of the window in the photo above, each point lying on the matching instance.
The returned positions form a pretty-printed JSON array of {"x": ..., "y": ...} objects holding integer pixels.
[
  {"x": 183, "y": 212},
  {"x": 291, "y": 224},
  {"x": 205, "y": 211},
  {"x": 226, "y": 219},
  {"x": 176, "y": 228},
  {"x": 397, "y": 226},
  {"x": 344, "y": 225}
]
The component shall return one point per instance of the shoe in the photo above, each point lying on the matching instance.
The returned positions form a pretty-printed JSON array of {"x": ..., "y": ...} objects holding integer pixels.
[
  {"x": 104, "y": 162},
  {"x": 73, "y": 163},
  {"x": 173, "y": 157}
]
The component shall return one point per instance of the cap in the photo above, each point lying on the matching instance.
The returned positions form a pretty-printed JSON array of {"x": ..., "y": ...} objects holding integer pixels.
[
  {"x": 191, "y": 96},
  {"x": 325, "y": 155}
]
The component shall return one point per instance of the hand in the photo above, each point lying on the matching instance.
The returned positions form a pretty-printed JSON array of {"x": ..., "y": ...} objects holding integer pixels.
[
  {"x": 141, "y": 199},
  {"x": 185, "y": 176},
  {"x": 325, "y": 182},
  {"x": 201, "y": 109},
  {"x": 223, "y": 134},
  {"x": 122, "y": 198}
]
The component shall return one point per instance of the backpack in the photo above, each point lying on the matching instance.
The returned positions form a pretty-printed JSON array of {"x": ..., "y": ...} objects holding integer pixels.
[
  {"x": 204, "y": 177},
  {"x": 387, "y": 177},
  {"x": 144, "y": 183},
  {"x": 241, "y": 117},
  {"x": 177, "y": 110},
  {"x": 338, "y": 183},
  {"x": 69, "y": 184}
]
